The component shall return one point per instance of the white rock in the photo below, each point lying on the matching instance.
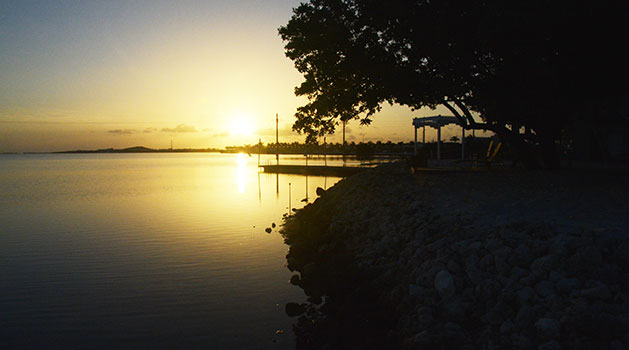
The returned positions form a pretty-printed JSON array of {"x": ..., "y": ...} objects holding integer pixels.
[
  {"x": 547, "y": 328},
  {"x": 444, "y": 284}
]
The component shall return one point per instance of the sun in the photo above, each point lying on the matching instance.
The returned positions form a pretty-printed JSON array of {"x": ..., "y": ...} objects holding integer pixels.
[{"x": 241, "y": 124}]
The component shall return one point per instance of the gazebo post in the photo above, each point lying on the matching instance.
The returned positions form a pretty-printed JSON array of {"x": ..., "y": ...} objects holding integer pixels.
[
  {"x": 462, "y": 143},
  {"x": 415, "y": 140},
  {"x": 438, "y": 141},
  {"x": 437, "y": 122}
]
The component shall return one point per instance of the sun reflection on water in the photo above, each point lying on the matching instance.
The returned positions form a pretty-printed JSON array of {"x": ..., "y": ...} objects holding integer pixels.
[{"x": 241, "y": 172}]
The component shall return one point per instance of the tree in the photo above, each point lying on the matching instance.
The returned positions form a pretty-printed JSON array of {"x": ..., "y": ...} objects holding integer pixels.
[{"x": 496, "y": 65}]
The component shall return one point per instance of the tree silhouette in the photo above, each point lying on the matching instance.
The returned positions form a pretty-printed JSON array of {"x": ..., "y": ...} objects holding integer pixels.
[{"x": 496, "y": 65}]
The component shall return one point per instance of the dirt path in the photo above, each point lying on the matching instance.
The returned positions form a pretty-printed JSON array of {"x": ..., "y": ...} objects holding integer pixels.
[{"x": 589, "y": 199}]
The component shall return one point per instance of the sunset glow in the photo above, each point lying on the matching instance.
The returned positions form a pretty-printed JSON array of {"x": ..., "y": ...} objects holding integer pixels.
[
  {"x": 90, "y": 75},
  {"x": 241, "y": 124},
  {"x": 313, "y": 174}
]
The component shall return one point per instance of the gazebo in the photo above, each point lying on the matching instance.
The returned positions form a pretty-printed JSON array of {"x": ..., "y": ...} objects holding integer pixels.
[{"x": 437, "y": 122}]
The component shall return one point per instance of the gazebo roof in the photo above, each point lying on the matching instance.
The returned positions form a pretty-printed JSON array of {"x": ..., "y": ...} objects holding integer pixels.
[{"x": 435, "y": 121}]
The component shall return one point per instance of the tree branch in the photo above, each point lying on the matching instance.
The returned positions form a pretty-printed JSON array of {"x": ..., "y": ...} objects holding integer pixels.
[
  {"x": 466, "y": 111},
  {"x": 456, "y": 114},
  {"x": 468, "y": 121}
]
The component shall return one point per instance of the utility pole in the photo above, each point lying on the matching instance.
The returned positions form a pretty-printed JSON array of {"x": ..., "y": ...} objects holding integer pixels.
[
  {"x": 344, "y": 147},
  {"x": 277, "y": 129},
  {"x": 277, "y": 140},
  {"x": 344, "y": 133},
  {"x": 325, "y": 159}
]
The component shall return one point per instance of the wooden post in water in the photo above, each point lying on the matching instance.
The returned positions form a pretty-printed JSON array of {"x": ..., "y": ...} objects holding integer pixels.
[{"x": 290, "y": 209}]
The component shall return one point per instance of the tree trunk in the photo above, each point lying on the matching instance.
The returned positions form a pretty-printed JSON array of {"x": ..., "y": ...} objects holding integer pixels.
[
  {"x": 524, "y": 151},
  {"x": 532, "y": 156},
  {"x": 549, "y": 150}
]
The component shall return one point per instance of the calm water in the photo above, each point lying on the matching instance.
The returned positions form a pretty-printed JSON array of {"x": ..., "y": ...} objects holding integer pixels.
[{"x": 145, "y": 250}]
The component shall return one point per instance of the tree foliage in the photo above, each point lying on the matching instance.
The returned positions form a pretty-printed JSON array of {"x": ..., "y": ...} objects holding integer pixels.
[{"x": 535, "y": 64}]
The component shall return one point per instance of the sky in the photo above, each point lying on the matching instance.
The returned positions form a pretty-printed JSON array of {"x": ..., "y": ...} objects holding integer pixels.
[{"x": 199, "y": 74}]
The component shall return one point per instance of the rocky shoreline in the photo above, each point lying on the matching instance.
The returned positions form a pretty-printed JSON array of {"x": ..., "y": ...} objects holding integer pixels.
[{"x": 393, "y": 260}]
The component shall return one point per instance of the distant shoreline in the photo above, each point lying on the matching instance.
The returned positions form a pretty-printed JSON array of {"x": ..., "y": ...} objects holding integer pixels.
[
  {"x": 368, "y": 150},
  {"x": 138, "y": 149},
  {"x": 141, "y": 149}
]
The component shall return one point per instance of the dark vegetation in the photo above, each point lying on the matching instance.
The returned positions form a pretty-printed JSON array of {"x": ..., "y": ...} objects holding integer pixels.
[
  {"x": 351, "y": 148},
  {"x": 476, "y": 148},
  {"x": 502, "y": 66}
]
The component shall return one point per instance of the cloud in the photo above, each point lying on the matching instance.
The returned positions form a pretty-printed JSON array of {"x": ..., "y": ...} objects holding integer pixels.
[
  {"x": 181, "y": 128},
  {"x": 122, "y": 131}
]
